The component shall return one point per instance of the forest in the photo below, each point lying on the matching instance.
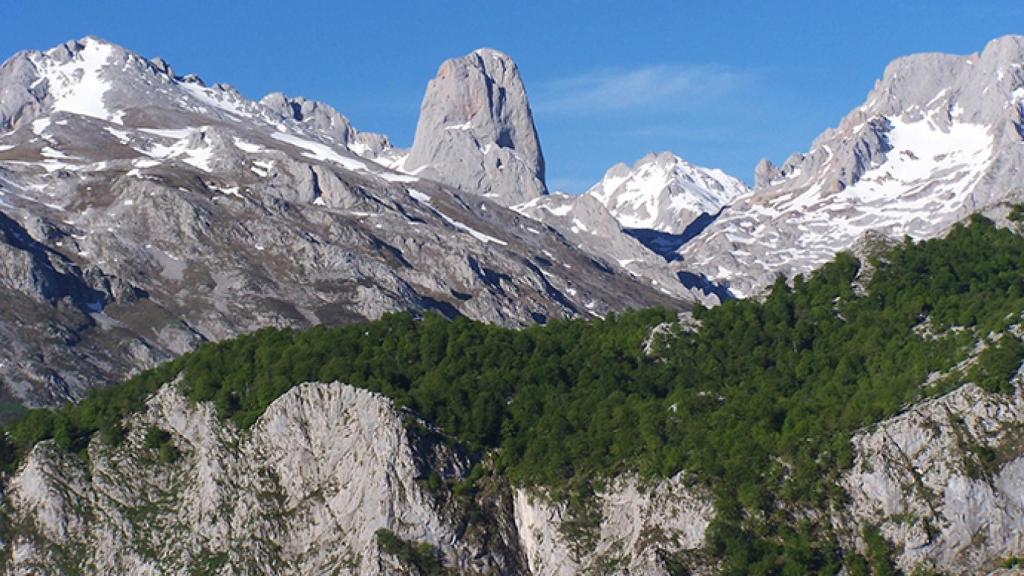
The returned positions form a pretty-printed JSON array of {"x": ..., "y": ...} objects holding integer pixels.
[{"x": 758, "y": 404}]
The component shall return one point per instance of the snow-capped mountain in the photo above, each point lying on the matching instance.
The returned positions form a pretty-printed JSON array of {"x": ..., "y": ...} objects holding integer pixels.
[
  {"x": 637, "y": 216},
  {"x": 938, "y": 138},
  {"x": 143, "y": 212},
  {"x": 663, "y": 192}
]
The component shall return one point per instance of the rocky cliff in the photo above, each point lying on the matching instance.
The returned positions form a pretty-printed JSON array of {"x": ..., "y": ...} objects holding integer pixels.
[
  {"x": 326, "y": 481},
  {"x": 476, "y": 131}
]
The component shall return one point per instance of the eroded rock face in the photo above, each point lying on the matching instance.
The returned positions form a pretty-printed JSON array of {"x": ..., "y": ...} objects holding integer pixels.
[
  {"x": 635, "y": 529},
  {"x": 305, "y": 492},
  {"x": 476, "y": 131},
  {"x": 944, "y": 482}
]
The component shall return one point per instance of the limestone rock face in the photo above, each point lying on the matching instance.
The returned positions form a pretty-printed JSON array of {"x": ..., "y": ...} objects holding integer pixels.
[
  {"x": 476, "y": 131},
  {"x": 944, "y": 482},
  {"x": 323, "y": 119},
  {"x": 634, "y": 529},
  {"x": 305, "y": 491}
]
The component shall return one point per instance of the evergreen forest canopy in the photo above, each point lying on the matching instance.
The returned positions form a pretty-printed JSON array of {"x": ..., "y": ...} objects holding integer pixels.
[{"x": 759, "y": 404}]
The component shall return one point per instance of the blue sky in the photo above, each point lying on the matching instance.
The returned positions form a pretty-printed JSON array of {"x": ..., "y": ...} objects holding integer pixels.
[{"x": 722, "y": 84}]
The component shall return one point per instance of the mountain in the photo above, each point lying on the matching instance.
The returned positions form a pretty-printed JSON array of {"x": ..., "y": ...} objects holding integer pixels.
[
  {"x": 939, "y": 137},
  {"x": 664, "y": 193},
  {"x": 476, "y": 133},
  {"x": 825, "y": 429},
  {"x": 637, "y": 217},
  {"x": 144, "y": 212},
  {"x": 588, "y": 225},
  {"x": 864, "y": 418}
]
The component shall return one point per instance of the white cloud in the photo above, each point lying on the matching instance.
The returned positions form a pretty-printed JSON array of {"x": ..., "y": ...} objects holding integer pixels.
[{"x": 661, "y": 87}]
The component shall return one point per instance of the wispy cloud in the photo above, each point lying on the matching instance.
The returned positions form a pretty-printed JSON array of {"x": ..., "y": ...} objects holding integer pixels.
[{"x": 649, "y": 88}]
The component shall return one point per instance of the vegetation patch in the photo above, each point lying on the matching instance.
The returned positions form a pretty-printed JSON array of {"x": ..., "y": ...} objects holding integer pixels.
[{"x": 420, "y": 557}]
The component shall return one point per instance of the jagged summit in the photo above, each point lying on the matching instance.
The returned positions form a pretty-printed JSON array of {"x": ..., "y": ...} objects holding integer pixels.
[
  {"x": 663, "y": 192},
  {"x": 476, "y": 131}
]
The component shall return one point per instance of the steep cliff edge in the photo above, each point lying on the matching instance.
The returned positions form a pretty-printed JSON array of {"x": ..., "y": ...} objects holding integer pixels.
[{"x": 330, "y": 479}]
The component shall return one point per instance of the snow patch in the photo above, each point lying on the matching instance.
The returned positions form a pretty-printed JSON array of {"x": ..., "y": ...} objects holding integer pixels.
[
  {"x": 420, "y": 196},
  {"x": 318, "y": 151},
  {"x": 248, "y": 147},
  {"x": 76, "y": 86}
]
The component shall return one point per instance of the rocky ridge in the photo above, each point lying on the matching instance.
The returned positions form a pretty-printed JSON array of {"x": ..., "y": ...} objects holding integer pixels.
[
  {"x": 328, "y": 466},
  {"x": 938, "y": 138}
]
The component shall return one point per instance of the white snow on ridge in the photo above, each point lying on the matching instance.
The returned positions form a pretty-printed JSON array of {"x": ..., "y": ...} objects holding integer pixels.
[
  {"x": 40, "y": 125},
  {"x": 318, "y": 151},
  {"x": 248, "y": 147},
  {"x": 420, "y": 196},
  {"x": 396, "y": 177},
  {"x": 218, "y": 99},
  {"x": 925, "y": 180},
  {"x": 545, "y": 203},
  {"x": 175, "y": 133},
  {"x": 485, "y": 238},
  {"x": 919, "y": 152},
  {"x": 77, "y": 87},
  {"x": 121, "y": 135},
  {"x": 197, "y": 157},
  {"x": 262, "y": 167}
]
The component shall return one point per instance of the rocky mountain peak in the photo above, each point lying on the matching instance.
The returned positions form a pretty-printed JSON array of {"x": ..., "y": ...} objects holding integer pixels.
[
  {"x": 937, "y": 138},
  {"x": 663, "y": 192},
  {"x": 324, "y": 120},
  {"x": 134, "y": 197},
  {"x": 476, "y": 131}
]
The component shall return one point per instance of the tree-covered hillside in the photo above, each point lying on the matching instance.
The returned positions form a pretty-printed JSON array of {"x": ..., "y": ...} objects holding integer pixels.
[{"x": 759, "y": 403}]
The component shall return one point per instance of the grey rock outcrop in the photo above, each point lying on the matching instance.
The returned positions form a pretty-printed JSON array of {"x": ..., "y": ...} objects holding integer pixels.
[
  {"x": 323, "y": 119},
  {"x": 476, "y": 131},
  {"x": 636, "y": 527},
  {"x": 943, "y": 482},
  {"x": 304, "y": 492}
]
